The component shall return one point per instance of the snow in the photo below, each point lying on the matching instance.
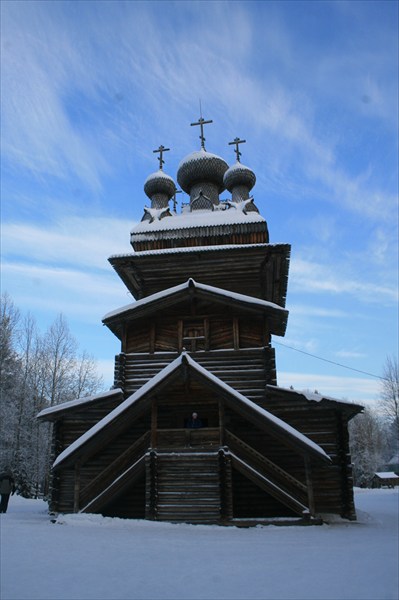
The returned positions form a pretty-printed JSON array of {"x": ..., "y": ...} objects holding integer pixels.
[
  {"x": 198, "y": 155},
  {"x": 240, "y": 206},
  {"x": 311, "y": 396},
  {"x": 83, "y": 557},
  {"x": 238, "y": 166},
  {"x": 156, "y": 214},
  {"x": 198, "y": 218},
  {"x": 78, "y": 402},
  {"x": 387, "y": 475},
  {"x": 200, "y": 286},
  {"x": 157, "y": 175},
  {"x": 217, "y": 248}
]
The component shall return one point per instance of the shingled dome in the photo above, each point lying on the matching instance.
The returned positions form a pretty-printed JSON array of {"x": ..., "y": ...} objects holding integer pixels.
[
  {"x": 201, "y": 166},
  {"x": 159, "y": 183},
  {"x": 238, "y": 175}
]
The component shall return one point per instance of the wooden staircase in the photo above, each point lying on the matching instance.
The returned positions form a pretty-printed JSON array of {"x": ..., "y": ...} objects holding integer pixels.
[{"x": 183, "y": 486}]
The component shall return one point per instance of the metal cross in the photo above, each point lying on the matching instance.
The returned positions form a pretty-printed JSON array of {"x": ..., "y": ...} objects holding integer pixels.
[
  {"x": 235, "y": 143},
  {"x": 201, "y": 122},
  {"x": 161, "y": 150},
  {"x": 174, "y": 199}
]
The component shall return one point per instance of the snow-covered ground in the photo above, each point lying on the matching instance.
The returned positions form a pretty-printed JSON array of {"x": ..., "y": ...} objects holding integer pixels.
[{"x": 88, "y": 556}]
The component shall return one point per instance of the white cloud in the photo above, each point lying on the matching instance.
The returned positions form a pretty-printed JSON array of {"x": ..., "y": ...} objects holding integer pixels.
[
  {"x": 350, "y": 354},
  {"x": 356, "y": 389},
  {"x": 313, "y": 277},
  {"x": 86, "y": 242},
  {"x": 52, "y": 61},
  {"x": 81, "y": 294}
]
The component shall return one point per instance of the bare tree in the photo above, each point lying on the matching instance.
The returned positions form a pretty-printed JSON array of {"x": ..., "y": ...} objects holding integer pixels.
[
  {"x": 389, "y": 396},
  {"x": 37, "y": 371},
  {"x": 9, "y": 377}
]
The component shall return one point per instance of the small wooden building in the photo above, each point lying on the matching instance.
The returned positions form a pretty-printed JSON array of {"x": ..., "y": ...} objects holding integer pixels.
[
  {"x": 385, "y": 479},
  {"x": 210, "y": 293}
]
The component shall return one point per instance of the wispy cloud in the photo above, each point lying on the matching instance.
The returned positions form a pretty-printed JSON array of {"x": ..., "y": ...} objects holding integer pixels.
[
  {"x": 75, "y": 293},
  {"x": 51, "y": 67},
  {"x": 325, "y": 278},
  {"x": 357, "y": 389},
  {"x": 86, "y": 242}
]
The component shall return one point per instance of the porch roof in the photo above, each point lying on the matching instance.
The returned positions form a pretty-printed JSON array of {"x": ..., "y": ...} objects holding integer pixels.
[{"x": 117, "y": 420}]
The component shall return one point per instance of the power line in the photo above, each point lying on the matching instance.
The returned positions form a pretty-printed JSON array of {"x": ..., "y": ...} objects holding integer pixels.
[{"x": 331, "y": 361}]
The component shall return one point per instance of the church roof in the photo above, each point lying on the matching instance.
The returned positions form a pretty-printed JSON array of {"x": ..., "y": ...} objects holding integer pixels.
[
  {"x": 351, "y": 407},
  {"x": 195, "y": 219},
  {"x": 118, "y": 419},
  {"x": 56, "y": 412},
  {"x": 276, "y": 314},
  {"x": 144, "y": 272}
]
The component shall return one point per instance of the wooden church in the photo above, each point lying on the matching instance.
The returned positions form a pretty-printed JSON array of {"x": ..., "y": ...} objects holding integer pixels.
[{"x": 210, "y": 293}]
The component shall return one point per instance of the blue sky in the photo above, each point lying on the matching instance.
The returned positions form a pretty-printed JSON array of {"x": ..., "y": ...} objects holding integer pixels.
[{"x": 89, "y": 89}]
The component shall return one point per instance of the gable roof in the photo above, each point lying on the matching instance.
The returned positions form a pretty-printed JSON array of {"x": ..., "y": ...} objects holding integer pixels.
[
  {"x": 350, "y": 407},
  {"x": 53, "y": 413},
  {"x": 116, "y": 421},
  {"x": 144, "y": 273},
  {"x": 277, "y": 315}
]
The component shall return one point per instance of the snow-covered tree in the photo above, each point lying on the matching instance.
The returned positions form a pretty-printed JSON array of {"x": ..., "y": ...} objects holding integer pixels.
[
  {"x": 389, "y": 396},
  {"x": 369, "y": 444},
  {"x": 9, "y": 378},
  {"x": 37, "y": 371}
]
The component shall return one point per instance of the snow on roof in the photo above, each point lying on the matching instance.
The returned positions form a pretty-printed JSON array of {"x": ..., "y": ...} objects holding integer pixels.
[
  {"x": 387, "y": 475},
  {"x": 160, "y": 173},
  {"x": 198, "y": 218},
  {"x": 198, "y": 155},
  {"x": 217, "y": 248},
  {"x": 200, "y": 286},
  {"x": 135, "y": 398},
  {"x": 77, "y": 402},
  {"x": 311, "y": 396},
  {"x": 239, "y": 166}
]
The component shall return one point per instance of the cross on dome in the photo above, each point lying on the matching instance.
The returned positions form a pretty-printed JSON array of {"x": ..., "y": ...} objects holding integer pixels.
[
  {"x": 201, "y": 122},
  {"x": 161, "y": 150},
  {"x": 235, "y": 142}
]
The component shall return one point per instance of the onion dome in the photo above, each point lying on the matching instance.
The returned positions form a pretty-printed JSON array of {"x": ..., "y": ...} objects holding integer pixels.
[
  {"x": 201, "y": 166},
  {"x": 239, "y": 180},
  {"x": 239, "y": 175},
  {"x": 159, "y": 183}
]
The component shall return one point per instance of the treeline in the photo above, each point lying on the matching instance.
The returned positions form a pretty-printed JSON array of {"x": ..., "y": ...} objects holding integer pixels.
[
  {"x": 374, "y": 434},
  {"x": 36, "y": 371}
]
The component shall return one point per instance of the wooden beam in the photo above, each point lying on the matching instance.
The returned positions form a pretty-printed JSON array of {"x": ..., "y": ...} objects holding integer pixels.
[
  {"x": 309, "y": 485},
  {"x": 180, "y": 335},
  {"x": 76, "y": 490},
  {"x": 236, "y": 333},
  {"x": 152, "y": 337},
  {"x": 222, "y": 423},
  {"x": 154, "y": 422}
]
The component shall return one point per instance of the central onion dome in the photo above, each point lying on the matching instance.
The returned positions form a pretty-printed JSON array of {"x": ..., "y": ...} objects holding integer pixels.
[{"x": 203, "y": 172}]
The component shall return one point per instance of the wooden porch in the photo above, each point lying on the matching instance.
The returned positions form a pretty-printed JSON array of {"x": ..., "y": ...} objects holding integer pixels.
[{"x": 188, "y": 477}]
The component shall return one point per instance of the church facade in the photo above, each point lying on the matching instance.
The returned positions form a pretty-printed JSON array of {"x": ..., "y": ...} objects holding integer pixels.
[{"x": 210, "y": 293}]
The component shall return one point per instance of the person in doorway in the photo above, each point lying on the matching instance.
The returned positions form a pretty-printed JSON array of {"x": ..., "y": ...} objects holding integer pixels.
[
  {"x": 194, "y": 422},
  {"x": 7, "y": 487}
]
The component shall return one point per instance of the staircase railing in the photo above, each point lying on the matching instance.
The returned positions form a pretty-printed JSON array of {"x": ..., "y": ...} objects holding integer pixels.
[
  {"x": 269, "y": 486},
  {"x": 264, "y": 465},
  {"x": 114, "y": 470}
]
